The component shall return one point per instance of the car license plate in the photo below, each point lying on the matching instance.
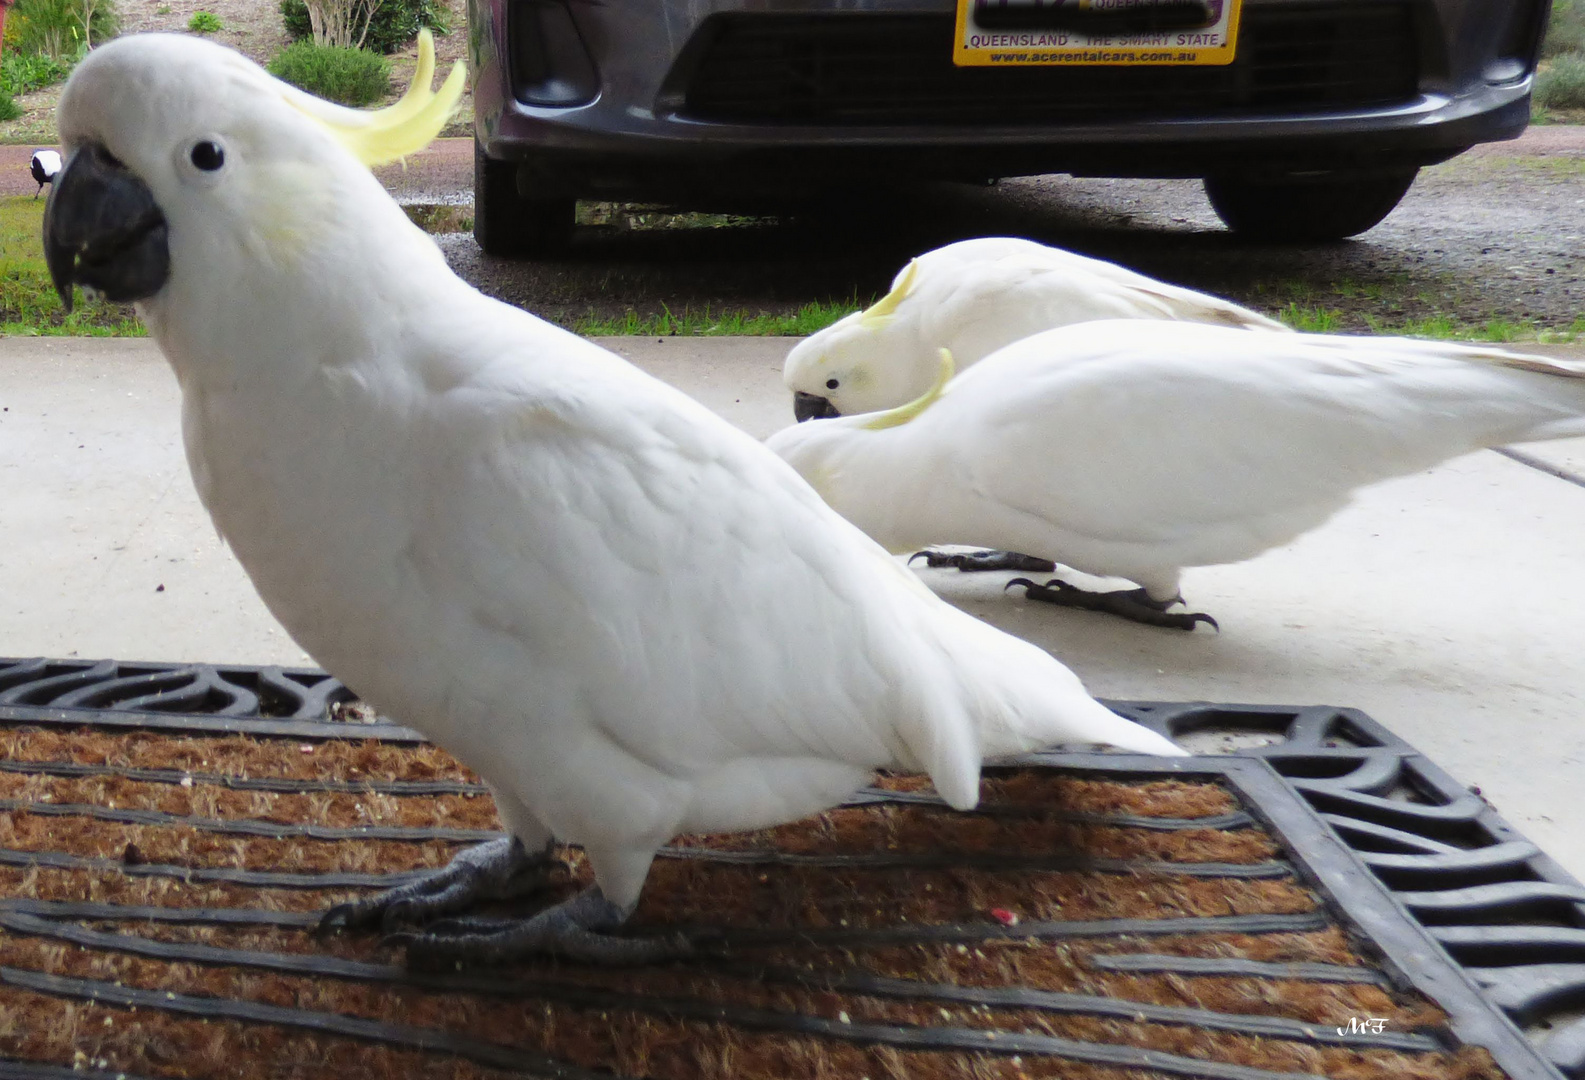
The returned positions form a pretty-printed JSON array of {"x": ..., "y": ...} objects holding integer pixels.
[{"x": 998, "y": 33}]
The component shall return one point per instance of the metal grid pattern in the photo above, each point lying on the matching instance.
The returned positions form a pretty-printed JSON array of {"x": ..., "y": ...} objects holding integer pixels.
[
  {"x": 1493, "y": 900},
  {"x": 1399, "y": 852}
]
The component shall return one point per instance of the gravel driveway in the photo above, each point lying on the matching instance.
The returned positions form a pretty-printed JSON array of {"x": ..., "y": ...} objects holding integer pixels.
[{"x": 1498, "y": 233}]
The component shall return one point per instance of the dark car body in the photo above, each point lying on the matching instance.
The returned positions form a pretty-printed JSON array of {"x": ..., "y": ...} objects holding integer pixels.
[{"x": 685, "y": 99}]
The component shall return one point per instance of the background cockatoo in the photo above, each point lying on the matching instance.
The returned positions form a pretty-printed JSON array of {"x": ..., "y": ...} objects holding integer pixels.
[
  {"x": 1134, "y": 448},
  {"x": 629, "y": 617},
  {"x": 972, "y": 298}
]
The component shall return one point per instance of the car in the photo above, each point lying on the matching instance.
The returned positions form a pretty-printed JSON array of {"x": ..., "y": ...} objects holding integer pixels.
[{"x": 1306, "y": 119}]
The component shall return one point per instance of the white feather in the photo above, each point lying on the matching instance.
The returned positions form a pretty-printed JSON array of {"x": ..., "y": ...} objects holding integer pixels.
[
  {"x": 629, "y": 617},
  {"x": 1136, "y": 448},
  {"x": 974, "y": 297}
]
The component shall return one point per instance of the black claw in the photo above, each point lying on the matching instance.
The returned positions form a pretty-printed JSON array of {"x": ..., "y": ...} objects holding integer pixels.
[
  {"x": 340, "y": 917},
  {"x": 1132, "y": 604},
  {"x": 978, "y": 561},
  {"x": 579, "y": 928},
  {"x": 497, "y": 870},
  {"x": 400, "y": 913}
]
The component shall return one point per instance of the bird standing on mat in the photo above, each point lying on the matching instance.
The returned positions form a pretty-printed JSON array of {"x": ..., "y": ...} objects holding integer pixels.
[
  {"x": 972, "y": 298},
  {"x": 44, "y": 167},
  {"x": 629, "y": 617},
  {"x": 1135, "y": 448}
]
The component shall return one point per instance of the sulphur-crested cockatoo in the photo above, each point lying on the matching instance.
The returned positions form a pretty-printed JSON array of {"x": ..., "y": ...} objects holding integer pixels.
[
  {"x": 629, "y": 617},
  {"x": 972, "y": 298},
  {"x": 1135, "y": 448}
]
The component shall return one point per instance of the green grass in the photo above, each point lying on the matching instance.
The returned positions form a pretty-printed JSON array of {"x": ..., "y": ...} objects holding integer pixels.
[
  {"x": 28, "y": 304},
  {"x": 1573, "y": 332},
  {"x": 1560, "y": 84},
  {"x": 1434, "y": 326},
  {"x": 1311, "y": 319},
  {"x": 1504, "y": 330},
  {"x": 20, "y": 72},
  {"x": 204, "y": 22},
  {"x": 1566, "y": 31},
  {"x": 726, "y": 323},
  {"x": 57, "y": 28},
  {"x": 1497, "y": 330},
  {"x": 641, "y": 217}
]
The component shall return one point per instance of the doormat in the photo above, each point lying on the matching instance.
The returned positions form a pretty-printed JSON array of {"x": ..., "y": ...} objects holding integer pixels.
[{"x": 1307, "y": 897}]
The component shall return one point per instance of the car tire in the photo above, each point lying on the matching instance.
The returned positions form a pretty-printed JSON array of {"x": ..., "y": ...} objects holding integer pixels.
[
  {"x": 1331, "y": 206},
  {"x": 511, "y": 224}
]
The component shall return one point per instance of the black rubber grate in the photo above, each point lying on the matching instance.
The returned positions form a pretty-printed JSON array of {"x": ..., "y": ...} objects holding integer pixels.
[
  {"x": 1437, "y": 895},
  {"x": 884, "y": 69}
]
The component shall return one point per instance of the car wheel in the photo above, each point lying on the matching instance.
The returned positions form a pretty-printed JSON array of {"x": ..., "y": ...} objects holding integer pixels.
[
  {"x": 1326, "y": 207},
  {"x": 506, "y": 222}
]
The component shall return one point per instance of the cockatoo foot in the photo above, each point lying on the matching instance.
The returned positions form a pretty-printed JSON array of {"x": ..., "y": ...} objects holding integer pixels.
[
  {"x": 578, "y": 928},
  {"x": 495, "y": 870},
  {"x": 1135, "y": 605},
  {"x": 973, "y": 561}
]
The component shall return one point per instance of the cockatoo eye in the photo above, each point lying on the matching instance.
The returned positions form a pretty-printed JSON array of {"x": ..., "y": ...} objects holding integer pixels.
[
  {"x": 207, "y": 155},
  {"x": 832, "y": 384}
]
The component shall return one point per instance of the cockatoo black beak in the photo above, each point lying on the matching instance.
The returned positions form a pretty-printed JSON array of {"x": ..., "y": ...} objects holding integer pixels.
[
  {"x": 810, "y": 407},
  {"x": 103, "y": 231}
]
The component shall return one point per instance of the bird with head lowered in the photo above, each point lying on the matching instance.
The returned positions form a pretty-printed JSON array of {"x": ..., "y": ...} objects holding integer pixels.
[
  {"x": 972, "y": 298},
  {"x": 1135, "y": 448}
]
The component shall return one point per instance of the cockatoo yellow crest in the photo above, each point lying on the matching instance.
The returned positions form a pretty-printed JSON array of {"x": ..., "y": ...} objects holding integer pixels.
[
  {"x": 904, "y": 413},
  {"x": 884, "y": 308},
  {"x": 974, "y": 297},
  {"x": 379, "y": 136}
]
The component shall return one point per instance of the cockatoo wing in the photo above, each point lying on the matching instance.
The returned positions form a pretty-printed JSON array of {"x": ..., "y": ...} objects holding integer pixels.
[
  {"x": 1197, "y": 445},
  {"x": 974, "y": 308},
  {"x": 696, "y": 621}
]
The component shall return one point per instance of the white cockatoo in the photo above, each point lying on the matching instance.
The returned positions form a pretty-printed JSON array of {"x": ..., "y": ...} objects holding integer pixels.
[
  {"x": 1135, "y": 448},
  {"x": 629, "y": 617},
  {"x": 972, "y": 298}
]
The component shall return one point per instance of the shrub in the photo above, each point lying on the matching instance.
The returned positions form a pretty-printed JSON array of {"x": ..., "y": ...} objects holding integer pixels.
[
  {"x": 20, "y": 72},
  {"x": 394, "y": 24},
  {"x": 350, "y": 76},
  {"x": 62, "y": 29},
  {"x": 9, "y": 110},
  {"x": 204, "y": 22},
  {"x": 1561, "y": 84},
  {"x": 1566, "y": 32}
]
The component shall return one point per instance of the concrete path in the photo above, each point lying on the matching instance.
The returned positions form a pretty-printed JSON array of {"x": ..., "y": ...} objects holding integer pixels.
[{"x": 1444, "y": 604}]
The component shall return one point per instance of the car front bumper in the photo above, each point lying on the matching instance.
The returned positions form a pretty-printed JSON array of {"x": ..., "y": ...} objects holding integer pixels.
[{"x": 659, "y": 122}]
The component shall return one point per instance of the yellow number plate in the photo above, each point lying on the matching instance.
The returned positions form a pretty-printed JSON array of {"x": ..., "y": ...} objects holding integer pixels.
[{"x": 1004, "y": 33}]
